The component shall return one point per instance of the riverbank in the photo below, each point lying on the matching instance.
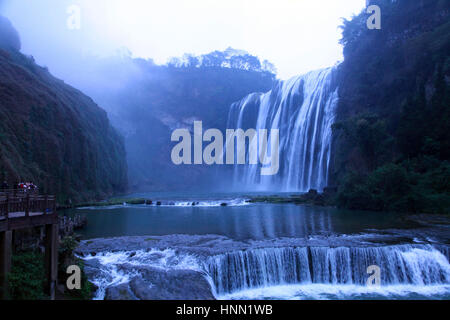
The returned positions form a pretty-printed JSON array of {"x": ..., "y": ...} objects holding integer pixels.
[
  {"x": 106, "y": 203},
  {"x": 161, "y": 202},
  {"x": 327, "y": 198},
  {"x": 313, "y": 197}
]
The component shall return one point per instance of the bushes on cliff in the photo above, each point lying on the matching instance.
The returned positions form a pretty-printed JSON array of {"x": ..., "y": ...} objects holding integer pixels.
[
  {"x": 405, "y": 169},
  {"x": 393, "y": 134},
  {"x": 398, "y": 187},
  {"x": 385, "y": 189}
]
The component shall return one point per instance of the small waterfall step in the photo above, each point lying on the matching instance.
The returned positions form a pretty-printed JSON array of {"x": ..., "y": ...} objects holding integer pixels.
[{"x": 257, "y": 268}]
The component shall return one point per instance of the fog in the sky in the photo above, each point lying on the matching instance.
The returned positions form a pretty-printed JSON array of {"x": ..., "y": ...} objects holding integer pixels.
[{"x": 296, "y": 35}]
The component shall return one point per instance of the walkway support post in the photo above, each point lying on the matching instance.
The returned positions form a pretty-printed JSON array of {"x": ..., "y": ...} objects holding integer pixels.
[
  {"x": 51, "y": 258},
  {"x": 5, "y": 261}
]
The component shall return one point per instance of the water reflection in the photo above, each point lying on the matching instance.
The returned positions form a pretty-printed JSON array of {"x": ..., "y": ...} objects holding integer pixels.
[{"x": 262, "y": 221}]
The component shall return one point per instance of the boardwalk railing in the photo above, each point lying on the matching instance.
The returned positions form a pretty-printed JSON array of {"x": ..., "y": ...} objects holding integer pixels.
[
  {"x": 19, "y": 204},
  {"x": 18, "y": 192}
]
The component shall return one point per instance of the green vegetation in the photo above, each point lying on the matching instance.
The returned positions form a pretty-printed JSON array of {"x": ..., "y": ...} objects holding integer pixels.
[
  {"x": 67, "y": 258},
  {"x": 27, "y": 278},
  {"x": 393, "y": 148},
  {"x": 115, "y": 202},
  {"x": 271, "y": 199},
  {"x": 398, "y": 187},
  {"x": 230, "y": 58},
  {"x": 327, "y": 198}
]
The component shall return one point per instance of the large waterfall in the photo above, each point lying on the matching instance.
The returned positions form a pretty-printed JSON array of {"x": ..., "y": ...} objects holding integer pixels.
[
  {"x": 418, "y": 265},
  {"x": 303, "y": 109}
]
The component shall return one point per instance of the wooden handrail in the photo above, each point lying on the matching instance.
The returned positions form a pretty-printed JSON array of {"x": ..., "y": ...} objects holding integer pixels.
[
  {"x": 17, "y": 191},
  {"x": 27, "y": 204}
]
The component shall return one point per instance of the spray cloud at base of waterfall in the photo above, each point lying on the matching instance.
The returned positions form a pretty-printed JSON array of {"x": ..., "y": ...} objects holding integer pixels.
[{"x": 259, "y": 148}]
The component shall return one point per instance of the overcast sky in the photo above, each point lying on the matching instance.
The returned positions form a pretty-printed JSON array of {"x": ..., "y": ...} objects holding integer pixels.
[{"x": 296, "y": 35}]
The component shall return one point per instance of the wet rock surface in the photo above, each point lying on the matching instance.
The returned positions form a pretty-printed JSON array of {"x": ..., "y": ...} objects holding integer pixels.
[
  {"x": 175, "y": 285},
  {"x": 154, "y": 284},
  {"x": 119, "y": 292},
  {"x": 141, "y": 275}
]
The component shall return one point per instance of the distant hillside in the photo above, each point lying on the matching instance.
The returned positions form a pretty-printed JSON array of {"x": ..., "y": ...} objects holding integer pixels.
[
  {"x": 148, "y": 101},
  {"x": 51, "y": 133},
  {"x": 393, "y": 137},
  {"x": 9, "y": 37}
]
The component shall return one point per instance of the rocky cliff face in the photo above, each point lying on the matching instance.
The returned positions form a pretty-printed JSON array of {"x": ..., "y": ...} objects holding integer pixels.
[{"x": 53, "y": 134}]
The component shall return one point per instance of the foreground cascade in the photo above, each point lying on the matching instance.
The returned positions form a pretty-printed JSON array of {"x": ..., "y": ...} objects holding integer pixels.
[{"x": 417, "y": 265}]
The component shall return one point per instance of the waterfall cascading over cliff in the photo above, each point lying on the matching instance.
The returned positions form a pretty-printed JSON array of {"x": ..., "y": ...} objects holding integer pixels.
[
  {"x": 418, "y": 265},
  {"x": 303, "y": 109}
]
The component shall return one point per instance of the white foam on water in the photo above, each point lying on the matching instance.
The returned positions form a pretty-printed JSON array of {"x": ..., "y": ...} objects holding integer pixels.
[
  {"x": 177, "y": 204},
  {"x": 111, "y": 275},
  {"x": 205, "y": 203},
  {"x": 426, "y": 266},
  {"x": 339, "y": 292},
  {"x": 405, "y": 269}
]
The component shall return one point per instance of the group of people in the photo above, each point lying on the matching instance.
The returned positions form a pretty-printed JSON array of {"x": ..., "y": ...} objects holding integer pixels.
[
  {"x": 22, "y": 186},
  {"x": 27, "y": 186}
]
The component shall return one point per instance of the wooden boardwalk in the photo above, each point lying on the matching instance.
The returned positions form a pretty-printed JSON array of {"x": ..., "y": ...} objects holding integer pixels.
[{"x": 23, "y": 210}]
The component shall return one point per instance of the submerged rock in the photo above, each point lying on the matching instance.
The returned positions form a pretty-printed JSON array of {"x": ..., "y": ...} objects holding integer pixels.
[
  {"x": 172, "y": 285},
  {"x": 119, "y": 292}
]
